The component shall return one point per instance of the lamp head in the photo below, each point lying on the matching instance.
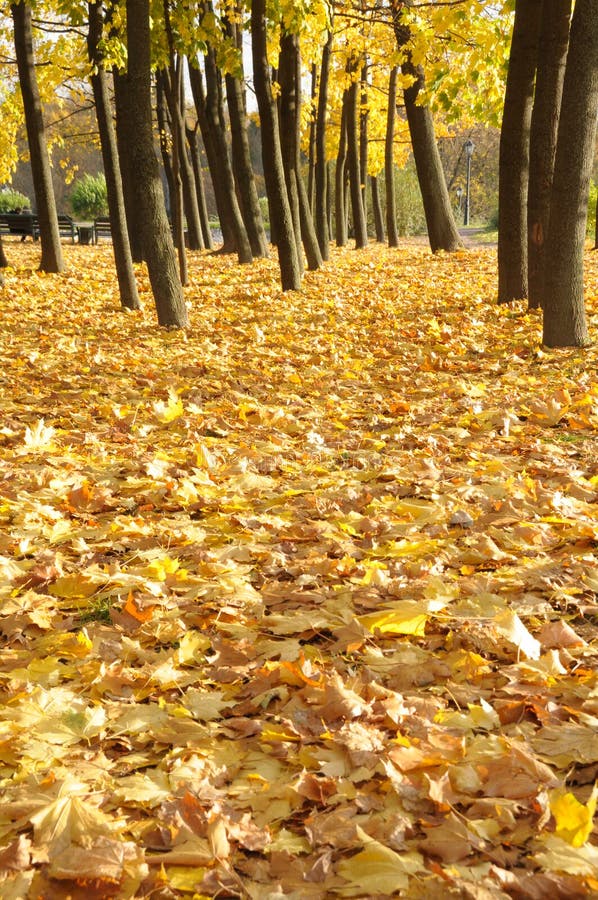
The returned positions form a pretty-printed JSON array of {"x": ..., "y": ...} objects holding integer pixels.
[{"x": 468, "y": 147}]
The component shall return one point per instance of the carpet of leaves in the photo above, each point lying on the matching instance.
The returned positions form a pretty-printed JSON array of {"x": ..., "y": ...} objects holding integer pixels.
[{"x": 301, "y": 603}]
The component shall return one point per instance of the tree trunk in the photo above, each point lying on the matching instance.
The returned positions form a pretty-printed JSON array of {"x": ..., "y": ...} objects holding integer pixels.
[
  {"x": 280, "y": 210},
  {"x": 440, "y": 221},
  {"x": 287, "y": 111},
  {"x": 125, "y": 274},
  {"x": 204, "y": 220},
  {"x": 51, "y": 257},
  {"x": 241, "y": 155},
  {"x": 377, "y": 210},
  {"x": 321, "y": 174},
  {"x": 552, "y": 56},
  {"x": 352, "y": 101},
  {"x": 363, "y": 142},
  {"x": 3, "y": 259},
  {"x": 229, "y": 243},
  {"x": 165, "y": 144},
  {"x": 215, "y": 112},
  {"x": 155, "y": 229},
  {"x": 290, "y": 118},
  {"x": 513, "y": 166},
  {"x": 124, "y": 140},
  {"x": 311, "y": 172},
  {"x": 175, "y": 181},
  {"x": 340, "y": 213},
  {"x": 389, "y": 166},
  {"x": 564, "y": 312}
]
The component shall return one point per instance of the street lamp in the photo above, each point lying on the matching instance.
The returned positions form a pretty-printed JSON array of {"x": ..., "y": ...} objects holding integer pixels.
[{"x": 468, "y": 148}]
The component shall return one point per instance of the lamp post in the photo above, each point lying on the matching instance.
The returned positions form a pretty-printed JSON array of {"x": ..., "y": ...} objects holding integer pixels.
[{"x": 468, "y": 148}]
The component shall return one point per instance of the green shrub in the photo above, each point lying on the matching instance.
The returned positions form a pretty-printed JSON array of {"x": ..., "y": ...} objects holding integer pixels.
[
  {"x": 88, "y": 197},
  {"x": 11, "y": 200}
]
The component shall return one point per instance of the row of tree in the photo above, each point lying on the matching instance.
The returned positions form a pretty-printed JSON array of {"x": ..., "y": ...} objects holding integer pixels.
[
  {"x": 377, "y": 74},
  {"x": 547, "y": 151}
]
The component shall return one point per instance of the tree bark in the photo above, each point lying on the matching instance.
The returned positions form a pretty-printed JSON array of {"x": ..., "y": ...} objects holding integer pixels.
[
  {"x": 440, "y": 221},
  {"x": 340, "y": 213},
  {"x": 290, "y": 119},
  {"x": 280, "y": 210},
  {"x": 311, "y": 171},
  {"x": 124, "y": 140},
  {"x": 552, "y": 57},
  {"x": 564, "y": 312},
  {"x": 377, "y": 210},
  {"x": 155, "y": 228},
  {"x": 123, "y": 261},
  {"x": 3, "y": 259},
  {"x": 229, "y": 244},
  {"x": 172, "y": 167},
  {"x": 215, "y": 113},
  {"x": 287, "y": 111},
  {"x": 241, "y": 155},
  {"x": 51, "y": 256},
  {"x": 321, "y": 173},
  {"x": 352, "y": 100},
  {"x": 204, "y": 220},
  {"x": 363, "y": 142},
  {"x": 389, "y": 165},
  {"x": 513, "y": 166}
]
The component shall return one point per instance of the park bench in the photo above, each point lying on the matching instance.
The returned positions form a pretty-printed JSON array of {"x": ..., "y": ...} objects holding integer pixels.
[
  {"x": 101, "y": 228},
  {"x": 67, "y": 228},
  {"x": 24, "y": 224}
]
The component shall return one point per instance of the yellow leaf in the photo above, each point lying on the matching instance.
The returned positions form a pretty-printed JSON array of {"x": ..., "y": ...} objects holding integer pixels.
[
  {"x": 406, "y": 618},
  {"x": 574, "y": 820},
  {"x": 159, "y": 569},
  {"x": 378, "y": 869},
  {"x": 168, "y": 412},
  {"x": 75, "y": 585},
  {"x": 512, "y": 628}
]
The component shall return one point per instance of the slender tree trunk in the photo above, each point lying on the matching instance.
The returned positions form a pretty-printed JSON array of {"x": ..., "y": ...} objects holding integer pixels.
[
  {"x": 215, "y": 114},
  {"x": 165, "y": 144},
  {"x": 389, "y": 165},
  {"x": 229, "y": 244},
  {"x": 564, "y": 312},
  {"x": 321, "y": 175},
  {"x": 339, "y": 191},
  {"x": 51, "y": 257},
  {"x": 363, "y": 142},
  {"x": 513, "y": 166},
  {"x": 311, "y": 170},
  {"x": 3, "y": 259},
  {"x": 155, "y": 228},
  {"x": 287, "y": 111},
  {"x": 175, "y": 181},
  {"x": 280, "y": 210},
  {"x": 204, "y": 220},
  {"x": 124, "y": 140},
  {"x": 241, "y": 155},
  {"x": 352, "y": 101},
  {"x": 442, "y": 230},
  {"x": 377, "y": 210},
  {"x": 125, "y": 274},
  {"x": 290, "y": 109},
  {"x": 552, "y": 57}
]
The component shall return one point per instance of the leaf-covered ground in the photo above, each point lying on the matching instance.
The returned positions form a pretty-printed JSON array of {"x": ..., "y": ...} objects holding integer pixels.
[{"x": 302, "y": 603}]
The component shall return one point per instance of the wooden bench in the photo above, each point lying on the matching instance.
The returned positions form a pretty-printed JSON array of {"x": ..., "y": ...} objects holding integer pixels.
[
  {"x": 24, "y": 224},
  {"x": 102, "y": 228}
]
